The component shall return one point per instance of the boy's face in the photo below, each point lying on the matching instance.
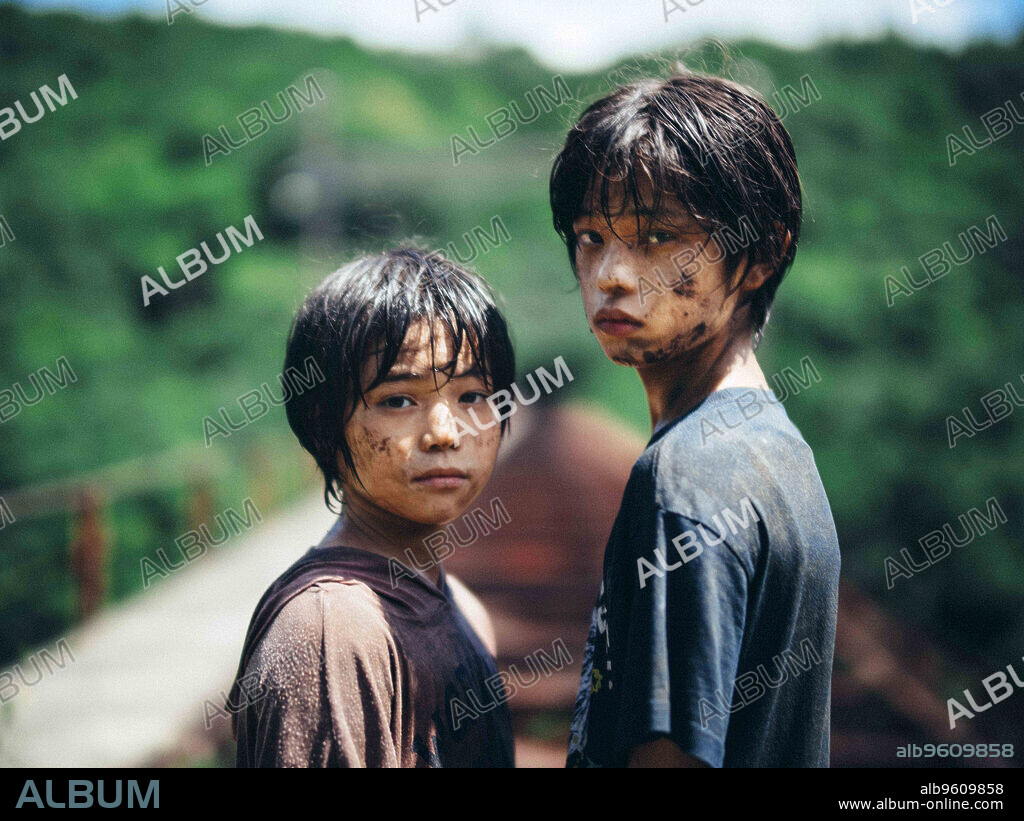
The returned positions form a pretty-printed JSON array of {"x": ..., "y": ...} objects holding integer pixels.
[
  {"x": 404, "y": 442},
  {"x": 658, "y": 293}
]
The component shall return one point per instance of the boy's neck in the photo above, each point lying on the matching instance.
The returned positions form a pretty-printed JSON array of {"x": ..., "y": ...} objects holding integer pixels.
[
  {"x": 676, "y": 387},
  {"x": 377, "y": 531}
]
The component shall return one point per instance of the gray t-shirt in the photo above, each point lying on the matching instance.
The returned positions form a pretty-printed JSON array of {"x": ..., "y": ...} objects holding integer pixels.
[{"x": 715, "y": 624}]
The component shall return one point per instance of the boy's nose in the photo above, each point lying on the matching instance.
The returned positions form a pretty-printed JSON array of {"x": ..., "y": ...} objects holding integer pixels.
[
  {"x": 615, "y": 274},
  {"x": 440, "y": 433}
]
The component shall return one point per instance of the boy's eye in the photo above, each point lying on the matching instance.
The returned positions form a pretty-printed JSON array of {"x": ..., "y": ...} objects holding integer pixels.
[
  {"x": 659, "y": 237},
  {"x": 588, "y": 238},
  {"x": 473, "y": 397},
  {"x": 395, "y": 402}
]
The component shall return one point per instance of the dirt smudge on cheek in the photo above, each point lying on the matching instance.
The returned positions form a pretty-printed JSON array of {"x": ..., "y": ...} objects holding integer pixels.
[
  {"x": 686, "y": 288},
  {"x": 379, "y": 445},
  {"x": 676, "y": 346},
  {"x": 485, "y": 453},
  {"x": 365, "y": 441}
]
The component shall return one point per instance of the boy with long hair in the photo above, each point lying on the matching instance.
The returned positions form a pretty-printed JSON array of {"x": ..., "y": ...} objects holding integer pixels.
[
  {"x": 711, "y": 642},
  {"x": 342, "y": 667}
]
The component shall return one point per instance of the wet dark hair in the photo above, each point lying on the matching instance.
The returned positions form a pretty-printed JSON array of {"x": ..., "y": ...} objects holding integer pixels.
[
  {"x": 712, "y": 144},
  {"x": 364, "y": 310}
]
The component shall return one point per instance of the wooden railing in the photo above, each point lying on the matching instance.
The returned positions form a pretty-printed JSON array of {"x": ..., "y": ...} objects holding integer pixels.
[{"x": 86, "y": 498}]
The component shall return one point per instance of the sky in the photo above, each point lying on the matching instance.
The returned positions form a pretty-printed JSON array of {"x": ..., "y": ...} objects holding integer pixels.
[{"x": 589, "y": 34}]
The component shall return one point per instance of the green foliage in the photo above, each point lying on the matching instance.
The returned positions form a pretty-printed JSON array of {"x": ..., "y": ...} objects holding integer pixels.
[{"x": 108, "y": 188}]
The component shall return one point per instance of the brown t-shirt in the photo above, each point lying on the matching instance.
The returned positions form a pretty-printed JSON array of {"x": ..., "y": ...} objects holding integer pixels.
[{"x": 342, "y": 669}]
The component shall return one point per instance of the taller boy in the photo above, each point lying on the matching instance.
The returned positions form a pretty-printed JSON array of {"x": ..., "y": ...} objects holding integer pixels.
[{"x": 711, "y": 641}]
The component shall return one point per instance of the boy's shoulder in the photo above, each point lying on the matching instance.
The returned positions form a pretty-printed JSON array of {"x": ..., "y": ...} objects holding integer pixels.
[
  {"x": 737, "y": 447},
  {"x": 329, "y": 598},
  {"x": 339, "y": 617}
]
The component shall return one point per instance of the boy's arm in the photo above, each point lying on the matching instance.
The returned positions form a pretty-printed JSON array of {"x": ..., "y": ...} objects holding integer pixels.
[
  {"x": 475, "y": 612},
  {"x": 662, "y": 753},
  {"x": 321, "y": 686}
]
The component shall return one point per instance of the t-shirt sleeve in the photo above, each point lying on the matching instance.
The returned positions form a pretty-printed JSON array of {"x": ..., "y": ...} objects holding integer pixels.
[
  {"x": 320, "y": 688},
  {"x": 685, "y": 633}
]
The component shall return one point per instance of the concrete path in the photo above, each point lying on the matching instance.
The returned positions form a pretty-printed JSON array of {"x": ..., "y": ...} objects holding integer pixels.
[{"x": 143, "y": 669}]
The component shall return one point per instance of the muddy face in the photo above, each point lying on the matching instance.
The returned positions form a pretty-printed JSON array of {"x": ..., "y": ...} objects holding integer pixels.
[
  {"x": 410, "y": 441},
  {"x": 654, "y": 289}
]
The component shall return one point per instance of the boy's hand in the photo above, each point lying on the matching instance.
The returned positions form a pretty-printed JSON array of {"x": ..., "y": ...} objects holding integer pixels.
[{"x": 662, "y": 753}]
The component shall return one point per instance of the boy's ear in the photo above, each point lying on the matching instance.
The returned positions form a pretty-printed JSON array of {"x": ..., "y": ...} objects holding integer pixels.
[
  {"x": 786, "y": 240},
  {"x": 758, "y": 274}
]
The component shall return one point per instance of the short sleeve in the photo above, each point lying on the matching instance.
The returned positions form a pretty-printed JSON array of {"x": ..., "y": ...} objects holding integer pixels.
[
  {"x": 685, "y": 632},
  {"x": 319, "y": 690}
]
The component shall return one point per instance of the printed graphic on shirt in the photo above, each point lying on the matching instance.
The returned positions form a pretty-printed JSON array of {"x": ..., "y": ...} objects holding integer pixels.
[{"x": 592, "y": 681}]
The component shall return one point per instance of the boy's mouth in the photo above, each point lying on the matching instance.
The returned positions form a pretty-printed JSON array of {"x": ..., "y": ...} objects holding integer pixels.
[
  {"x": 442, "y": 478},
  {"x": 613, "y": 322}
]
